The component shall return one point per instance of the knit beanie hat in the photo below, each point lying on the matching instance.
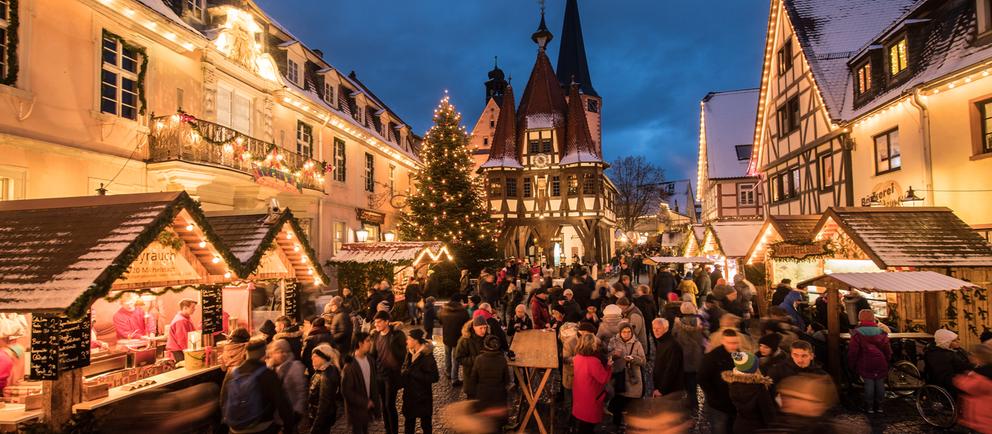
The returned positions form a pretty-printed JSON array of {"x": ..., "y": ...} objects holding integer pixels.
[
  {"x": 479, "y": 320},
  {"x": 687, "y": 308},
  {"x": 240, "y": 336},
  {"x": 586, "y": 326},
  {"x": 944, "y": 337},
  {"x": 491, "y": 343},
  {"x": 268, "y": 328},
  {"x": 866, "y": 315},
  {"x": 612, "y": 311},
  {"x": 745, "y": 363},
  {"x": 418, "y": 335},
  {"x": 771, "y": 340}
]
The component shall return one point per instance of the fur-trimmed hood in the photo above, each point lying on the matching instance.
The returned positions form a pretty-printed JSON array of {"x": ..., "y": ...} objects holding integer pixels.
[
  {"x": 737, "y": 377},
  {"x": 288, "y": 334}
]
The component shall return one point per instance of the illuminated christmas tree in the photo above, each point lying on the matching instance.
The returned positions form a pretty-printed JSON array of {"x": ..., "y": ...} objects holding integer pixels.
[{"x": 448, "y": 203}]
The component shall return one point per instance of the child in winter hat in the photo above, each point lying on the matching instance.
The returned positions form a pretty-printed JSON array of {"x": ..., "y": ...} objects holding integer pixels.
[{"x": 745, "y": 363}]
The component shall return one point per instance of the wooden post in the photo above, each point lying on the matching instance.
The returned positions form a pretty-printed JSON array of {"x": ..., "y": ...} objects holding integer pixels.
[
  {"x": 833, "y": 332},
  {"x": 63, "y": 393},
  {"x": 931, "y": 307}
]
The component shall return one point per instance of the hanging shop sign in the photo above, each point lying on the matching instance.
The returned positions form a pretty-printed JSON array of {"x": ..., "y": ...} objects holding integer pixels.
[
  {"x": 799, "y": 251},
  {"x": 160, "y": 263},
  {"x": 290, "y": 297},
  {"x": 884, "y": 194},
  {"x": 370, "y": 217}
]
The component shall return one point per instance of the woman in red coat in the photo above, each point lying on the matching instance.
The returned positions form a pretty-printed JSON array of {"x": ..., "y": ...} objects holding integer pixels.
[
  {"x": 869, "y": 354},
  {"x": 976, "y": 391},
  {"x": 588, "y": 384}
]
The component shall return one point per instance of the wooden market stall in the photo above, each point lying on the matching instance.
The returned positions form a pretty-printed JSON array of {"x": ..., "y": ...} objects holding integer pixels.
[
  {"x": 414, "y": 258},
  {"x": 274, "y": 249},
  {"x": 726, "y": 243},
  {"x": 888, "y": 284},
  {"x": 67, "y": 265},
  {"x": 785, "y": 248}
]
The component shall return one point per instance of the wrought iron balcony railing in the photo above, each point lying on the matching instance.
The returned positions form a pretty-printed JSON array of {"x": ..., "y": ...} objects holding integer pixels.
[{"x": 182, "y": 137}]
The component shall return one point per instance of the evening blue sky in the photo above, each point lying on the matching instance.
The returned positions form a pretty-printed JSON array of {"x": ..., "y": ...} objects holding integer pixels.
[{"x": 651, "y": 60}]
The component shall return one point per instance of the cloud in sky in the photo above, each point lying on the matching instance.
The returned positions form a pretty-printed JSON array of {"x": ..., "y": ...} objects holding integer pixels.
[{"x": 652, "y": 61}]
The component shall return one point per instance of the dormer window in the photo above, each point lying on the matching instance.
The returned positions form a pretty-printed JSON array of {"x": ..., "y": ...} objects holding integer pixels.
[
  {"x": 898, "y": 57},
  {"x": 329, "y": 93},
  {"x": 863, "y": 83},
  {"x": 293, "y": 71},
  {"x": 743, "y": 152},
  {"x": 194, "y": 8}
]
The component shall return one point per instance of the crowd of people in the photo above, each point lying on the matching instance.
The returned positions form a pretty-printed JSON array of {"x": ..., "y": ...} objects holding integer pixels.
[{"x": 626, "y": 351}]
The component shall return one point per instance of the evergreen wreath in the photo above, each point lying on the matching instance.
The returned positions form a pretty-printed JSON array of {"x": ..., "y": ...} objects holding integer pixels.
[{"x": 142, "y": 69}]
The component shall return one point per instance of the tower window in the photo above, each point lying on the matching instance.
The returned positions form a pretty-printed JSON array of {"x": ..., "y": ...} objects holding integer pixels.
[
  {"x": 511, "y": 187},
  {"x": 539, "y": 142},
  {"x": 485, "y": 141},
  {"x": 528, "y": 189},
  {"x": 592, "y": 106},
  {"x": 864, "y": 78},
  {"x": 573, "y": 185},
  {"x": 588, "y": 184},
  {"x": 292, "y": 71},
  {"x": 495, "y": 188}
]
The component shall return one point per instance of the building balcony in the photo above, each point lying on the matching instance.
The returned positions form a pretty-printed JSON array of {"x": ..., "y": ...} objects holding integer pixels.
[{"x": 182, "y": 137}]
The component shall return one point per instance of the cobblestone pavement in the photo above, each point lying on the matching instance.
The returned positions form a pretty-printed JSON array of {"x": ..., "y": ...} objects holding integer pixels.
[{"x": 900, "y": 415}]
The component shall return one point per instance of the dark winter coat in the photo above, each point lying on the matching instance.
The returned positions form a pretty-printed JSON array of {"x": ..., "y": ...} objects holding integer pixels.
[
  {"x": 714, "y": 388},
  {"x": 518, "y": 324},
  {"x": 768, "y": 364},
  {"x": 781, "y": 291},
  {"x": 869, "y": 352},
  {"x": 488, "y": 379},
  {"x": 388, "y": 350},
  {"x": 467, "y": 350},
  {"x": 325, "y": 392},
  {"x": 342, "y": 329},
  {"x": 668, "y": 371},
  {"x": 789, "y": 368},
  {"x": 317, "y": 336},
  {"x": 692, "y": 340},
  {"x": 583, "y": 292},
  {"x": 353, "y": 393},
  {"x": 489, "y": 292},
  {"x": 645, "y": 303},
  {"x": 663, "y": 283},
  {"x": 271, "y": 388},
  {"x": 430, "y": 318},
  {"x": 419, "y": 374},
  {"x": 349, "y": 304},
  {"x": 943, "y": 364},
  {"x": 752, "y": 400},
  {"x": 294, "y": 336},
  {"x": 453, "y": 316},
  {"x": 573, "y": 312},
  {"x": 413, "y": 293}
]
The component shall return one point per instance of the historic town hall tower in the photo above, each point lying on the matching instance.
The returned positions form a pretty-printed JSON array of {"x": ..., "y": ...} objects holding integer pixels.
[{"x": 545, "y": 170}]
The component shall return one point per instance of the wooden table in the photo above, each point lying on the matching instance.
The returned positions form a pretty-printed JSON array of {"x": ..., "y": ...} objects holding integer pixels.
[
  {"x": 534, "y": 350},
  {"x": 118, "y": 393},
  {"x": 908, "y": 335},
  {"x": 12, "y": 415}
]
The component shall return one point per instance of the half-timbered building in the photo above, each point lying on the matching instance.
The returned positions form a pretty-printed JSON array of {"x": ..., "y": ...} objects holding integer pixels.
[
  {"x": 726, "y": 190},
  {"x": 545, "y": 171}
]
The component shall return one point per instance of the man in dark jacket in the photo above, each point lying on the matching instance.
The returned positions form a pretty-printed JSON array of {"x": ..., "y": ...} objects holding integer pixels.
[
  {"x": 489, "y": 290},
  {"x": 412, "y": 296},
  {"x": 668, "y": 359},
  {"x": 388, "y": 351},
  {"x": 290, "y": 332},
  {"x": 359, "y": 383},
  {"x": 664, "y": 282},
  {"x": 342, "y": 327},
  {"x": 469, "y": 347},
  {"x": 490, "y": 376},
  {"x": 783, "y": 289},
  {"x": 573, "y": 312},
  {"x": 719, "y": 408},
  {"x": 268, "y": 384},
  {"x": 453, "y": 316},
  {"x": 800, "y": 361},
  {"x": 645, "y": 303},
  {"x": 419, "y": 374},
  {"x": 318, "y": 334}
]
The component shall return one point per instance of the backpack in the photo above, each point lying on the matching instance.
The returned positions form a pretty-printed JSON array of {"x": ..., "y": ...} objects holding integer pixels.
[{"x": 245, "y": 403}]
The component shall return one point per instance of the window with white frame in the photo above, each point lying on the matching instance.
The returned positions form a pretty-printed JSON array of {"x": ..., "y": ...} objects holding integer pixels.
[
  {"x": 233, "y": 108},
  {"x": 369, "y": 172},
  {"x": 292, "y": 71},
  {"x": 119, "y": 78},
  {"x": 304, "y": 139},
  {"x": 329, "y": 93},
  {"x": 745, "y": 194},
  {"x": 339, "y": 160},
  {"x": 340, "y": 235},
  {"x": 6, "y": 33}
]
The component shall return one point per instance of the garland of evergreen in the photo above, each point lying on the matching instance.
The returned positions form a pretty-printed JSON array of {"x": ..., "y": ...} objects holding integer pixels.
[
  {"x": 142, "y": 69},
  {"x": 13, "y": 22}
]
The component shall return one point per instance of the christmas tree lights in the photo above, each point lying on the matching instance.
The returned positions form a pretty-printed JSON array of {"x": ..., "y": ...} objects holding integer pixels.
[{"x": 448, "y": 203}]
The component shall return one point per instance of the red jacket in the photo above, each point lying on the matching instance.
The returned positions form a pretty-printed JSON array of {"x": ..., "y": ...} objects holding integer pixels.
[
  {"x": 588, "y": 382},
  {"x": 976, "y": 399},
  {"x": 129, "y": 325},
  {"x": 869, "y": 351},
  {"x": 178, "y": 329},
  {"x": 539, "y": 313}
]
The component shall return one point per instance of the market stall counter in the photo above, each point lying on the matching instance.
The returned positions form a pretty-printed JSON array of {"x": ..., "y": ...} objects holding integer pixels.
[{"x": 112, "y": 292}]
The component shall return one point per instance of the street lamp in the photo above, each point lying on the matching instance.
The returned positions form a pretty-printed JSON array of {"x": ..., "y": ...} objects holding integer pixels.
[
  {"x": 911, "y": 199},
  {"x": 389, "y": 236},
  {"x": 362, "y": 235}
]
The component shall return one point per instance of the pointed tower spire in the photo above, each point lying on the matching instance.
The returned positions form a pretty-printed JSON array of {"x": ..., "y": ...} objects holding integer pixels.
[
  {"x": 496, "y": 84},
  {"x": 579, "y": 147},
  {"x": 572, "y": 52},
  {"x": 542, "y": 36},
  {"x": 503, "y": 154}
]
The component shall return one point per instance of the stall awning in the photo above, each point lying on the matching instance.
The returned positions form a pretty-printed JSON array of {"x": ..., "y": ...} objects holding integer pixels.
[
  {"x": 902, "y": 281},
  {"x": 270, "y": 245},
  {"x": 657, "y": 260},
  {"x": 732, "y": 238},
  {"x": 908, "y": 237},
  {"x": 393, "y": 252},
  {"x": 61, "y": 254}
]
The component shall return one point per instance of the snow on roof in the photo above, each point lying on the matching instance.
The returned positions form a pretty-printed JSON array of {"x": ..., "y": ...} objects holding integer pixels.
[
  {"x": 945, "y": 50},
  {"x": 392, "y": 252},
  {"x": 249, "y": 236},
  {"x": 502, "y": 162},
  {"x": 167, "y": 12},
  {"x": 735, "y": 238},
  {"x": 580, "y": 157},
  {"x": 729, "y": 122},
  {"x": 909, "y": 237},
  {"x": 902, "y": 281},
  {"x": 830, "y": 31}
]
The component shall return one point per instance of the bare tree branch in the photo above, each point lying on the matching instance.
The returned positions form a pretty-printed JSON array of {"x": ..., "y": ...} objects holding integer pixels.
[{"x": 639, "y": 189}]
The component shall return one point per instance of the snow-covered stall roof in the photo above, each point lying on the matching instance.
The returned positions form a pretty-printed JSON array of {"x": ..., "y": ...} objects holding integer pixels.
[
  {"x": 393, "y": 252},
  {"x": 909, "y": 237},
  {"x": 903, "y": 281},
  {"x": 249, "y": 237},
  {"x": 728, "y": 118},
  {"x": 831, "y": 31},
  {"x": 656, "y": 260},
  {"x": 733, "y": 238},
  {"x": 60, "y": 255}
]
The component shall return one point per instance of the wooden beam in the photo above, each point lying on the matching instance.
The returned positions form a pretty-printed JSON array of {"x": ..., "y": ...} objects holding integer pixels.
[{"x": 833, "y": 332}]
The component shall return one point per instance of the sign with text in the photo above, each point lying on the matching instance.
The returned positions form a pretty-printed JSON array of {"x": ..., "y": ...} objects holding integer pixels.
[
  {"x": 884, "y": 194},
  {"x": 160, "y": 263},
  {"x": 58, "y": 344},
  {"x": 370, "y": 217},
  {"x": 290, "y": 307},
  {"x": 799, "y": 251},
  {"x": 212, "y": 308}
]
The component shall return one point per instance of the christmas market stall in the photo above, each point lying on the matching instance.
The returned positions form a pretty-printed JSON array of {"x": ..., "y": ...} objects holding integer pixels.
[
  {"x": 785, "y": 249},
  {"x": 726, "y": 243},
  {"x": 96, "y": 281},
  {"x": 274, "y": 249}
]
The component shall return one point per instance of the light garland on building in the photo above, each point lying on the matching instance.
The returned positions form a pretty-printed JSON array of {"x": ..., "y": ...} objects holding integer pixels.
[{"x": 148, "y": 23}]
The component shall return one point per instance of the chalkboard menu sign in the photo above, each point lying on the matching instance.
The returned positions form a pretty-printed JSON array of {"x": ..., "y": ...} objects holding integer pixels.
[
  {"x": 58, "y": 344},
  {"x": 290, "y": 296},
  {"x": 212, "y": 310}
]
